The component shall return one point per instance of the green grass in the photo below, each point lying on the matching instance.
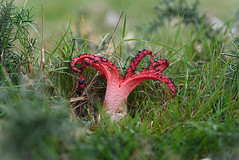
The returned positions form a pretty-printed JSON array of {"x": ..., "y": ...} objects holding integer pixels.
[{"x": 36, "y": 120}]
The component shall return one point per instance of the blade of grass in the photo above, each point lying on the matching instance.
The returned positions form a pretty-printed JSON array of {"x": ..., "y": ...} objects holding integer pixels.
[
  {"x": 59, "y": 43},
  {"x": 42, "y": 66}
]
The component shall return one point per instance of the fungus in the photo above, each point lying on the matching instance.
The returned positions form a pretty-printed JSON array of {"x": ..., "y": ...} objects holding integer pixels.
[{"x": 119, "y": 87}]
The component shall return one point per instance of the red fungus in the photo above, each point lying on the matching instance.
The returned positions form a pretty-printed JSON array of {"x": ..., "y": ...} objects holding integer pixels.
[{"x": 118, "y": 87}]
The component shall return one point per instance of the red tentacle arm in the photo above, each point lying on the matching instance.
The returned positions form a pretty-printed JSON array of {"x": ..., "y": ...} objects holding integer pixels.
[
  {"x": 129, "y": 84},
  {"x": 159, "y": 65},
  {"x": 95, "y": 62},
  {"x": 100, "y": 63},
  {"x": 136, "y": 60}
]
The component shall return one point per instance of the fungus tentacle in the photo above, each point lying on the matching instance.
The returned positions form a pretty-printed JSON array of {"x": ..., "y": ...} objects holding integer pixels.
[
  {"x": 136, "y": 60},
  {"x": 107, "y": 69},
  {"x": 80, "y": 87},
  {"x": 79, "y": 59},
  {"x": 129, "y": 84},
  {"x": 91, "y": 60},
  {"x": 113, "y": 70},
  {"x": 159, "y": 65}
]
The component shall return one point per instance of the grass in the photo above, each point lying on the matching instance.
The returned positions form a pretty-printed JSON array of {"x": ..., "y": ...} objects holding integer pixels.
[{"x": 37, "y": 122}]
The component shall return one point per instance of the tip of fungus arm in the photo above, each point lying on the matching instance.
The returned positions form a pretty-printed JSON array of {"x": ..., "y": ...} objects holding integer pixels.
[
  {"x": 158, "y": 66},
  {"x": 136, "y": 60}
]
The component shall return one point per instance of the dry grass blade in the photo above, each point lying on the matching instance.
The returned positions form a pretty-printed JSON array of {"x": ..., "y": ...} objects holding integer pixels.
[{"x": 75, "y": 99}]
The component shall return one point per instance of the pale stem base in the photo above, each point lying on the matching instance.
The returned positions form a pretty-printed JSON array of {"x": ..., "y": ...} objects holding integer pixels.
[{"x": 115, "y": 114}]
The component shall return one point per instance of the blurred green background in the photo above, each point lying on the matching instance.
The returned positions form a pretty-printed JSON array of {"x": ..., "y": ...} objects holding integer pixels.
[{"x": 59, "y": 13}]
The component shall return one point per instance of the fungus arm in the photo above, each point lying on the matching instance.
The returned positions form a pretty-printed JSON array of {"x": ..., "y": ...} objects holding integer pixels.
[
  {"x": 136, "y": 60},
  {"x": 129, "y": 84},
  {"x": 93, "y": 61}
]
